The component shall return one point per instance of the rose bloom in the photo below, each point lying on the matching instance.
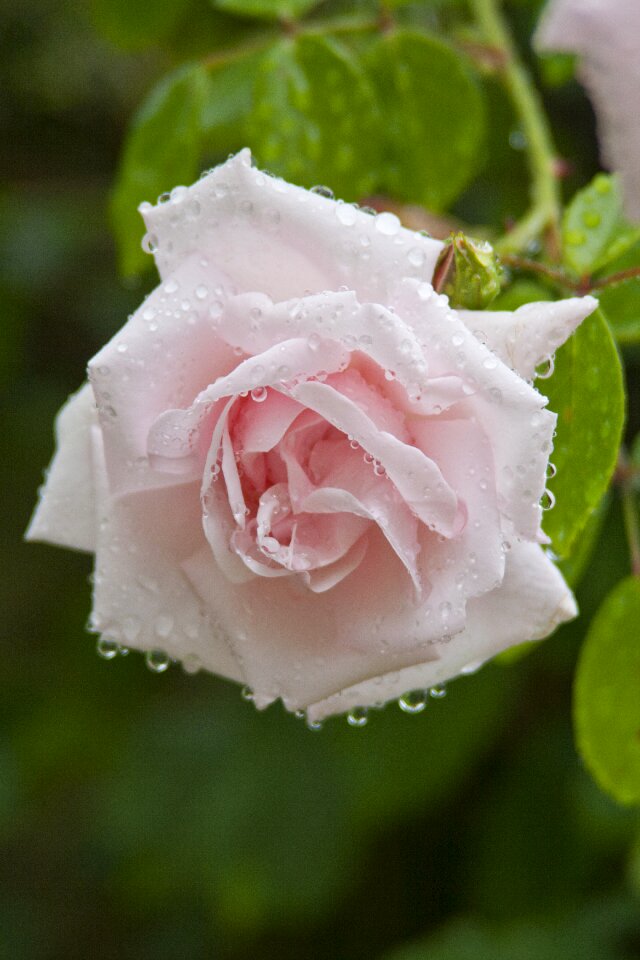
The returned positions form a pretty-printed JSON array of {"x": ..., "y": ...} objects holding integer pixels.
[
  {"x": 606, "y": 36},
  {"x": 298, "y": 467}
]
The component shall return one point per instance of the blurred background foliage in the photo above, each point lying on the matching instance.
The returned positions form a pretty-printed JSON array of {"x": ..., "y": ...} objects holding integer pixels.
[{"x": 161, "y": 817}]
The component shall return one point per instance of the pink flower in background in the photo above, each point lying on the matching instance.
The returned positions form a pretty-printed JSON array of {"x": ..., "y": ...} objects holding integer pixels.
[
  {"x": 606, "y": 36},
  {"x": 298, "y": 467}
]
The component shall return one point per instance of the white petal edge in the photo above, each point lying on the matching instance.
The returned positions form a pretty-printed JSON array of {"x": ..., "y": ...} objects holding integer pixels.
[
  {"x": 532, "y": 601},
  {"x": 66, "y": 512}
]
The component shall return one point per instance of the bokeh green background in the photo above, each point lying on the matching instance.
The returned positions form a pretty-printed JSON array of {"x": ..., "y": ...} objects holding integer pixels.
[{"x": 159, "y": 817}]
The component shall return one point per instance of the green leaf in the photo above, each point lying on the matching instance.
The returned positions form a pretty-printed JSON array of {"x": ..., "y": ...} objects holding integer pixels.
[
  {"x": 607, "y": 695},
  {"x": 228, "y": 103},
  {"x": 134, "y": 24},
  {"x": 593, "y": 933},
  {"x": 586, "y": 391},
  {"x": 575, "y": 564},
  {"x": 433, "y": 117},
  {"x": 594, "y": 230},
  {"x": 268, "y": 9},
  {"x": 620, "y": 304},
  {"x": 162, "y": 151},
  {"x": 314, "y": 117}
]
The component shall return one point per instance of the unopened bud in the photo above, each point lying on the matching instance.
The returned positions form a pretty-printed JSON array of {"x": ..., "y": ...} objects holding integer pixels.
[{"x": 468, "y": 271}]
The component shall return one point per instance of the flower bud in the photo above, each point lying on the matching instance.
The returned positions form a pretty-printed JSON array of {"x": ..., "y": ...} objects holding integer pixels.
[{"x": 468, "y": 271}]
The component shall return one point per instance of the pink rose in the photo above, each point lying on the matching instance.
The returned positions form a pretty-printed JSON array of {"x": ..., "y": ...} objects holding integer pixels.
[
  {"x": 298, "y": 467},
  {"x": 606, "y": 36}
]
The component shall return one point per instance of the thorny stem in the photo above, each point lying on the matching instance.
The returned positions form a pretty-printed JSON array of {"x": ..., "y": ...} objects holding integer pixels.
[
  {"x": 557, "y": 277},
  {"x": 561, "y": 279},
  {"x": 543, "y": 215},
  {"x": 625, "y": 476},
  {"x": 615, "y": 278},
  {"x": 290, "y": 28}
]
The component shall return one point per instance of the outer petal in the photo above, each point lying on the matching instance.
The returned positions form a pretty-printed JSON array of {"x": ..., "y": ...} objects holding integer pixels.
[
  {"x": 66, "y": 513},
  {"x": 303, "y": 646},
  {"x": 141, "y": 596},
  {"x": 164, "y": 355},
  {"x": 529, "y": 605},
  {"x": 271, "y": 236},
  {"x": 526, "y": 336}
]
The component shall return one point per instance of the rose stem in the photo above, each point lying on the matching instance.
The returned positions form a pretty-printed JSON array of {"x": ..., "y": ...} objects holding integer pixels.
[{"x": 543, "y": 215}]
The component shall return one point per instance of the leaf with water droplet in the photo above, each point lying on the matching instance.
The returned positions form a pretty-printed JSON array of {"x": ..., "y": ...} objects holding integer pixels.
[
  {"x": 161, "y": 150},
  {"x": 607, "y": 694},
  {"x": 314, "y": 116},
  {"x": 594, "y": 229},
  {"x": 433, "y": 117},
  {"x": 586, "y": 391}
]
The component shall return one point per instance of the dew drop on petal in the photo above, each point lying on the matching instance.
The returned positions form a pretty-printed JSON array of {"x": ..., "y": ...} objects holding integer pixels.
[
  {"x": 323, "y": 191},
  {"x": 545, "y": 369},
  {"x": 387, "y": 224},
  {"x": 358, "y": 717},
  {"x": 413, "y": 702},
  {"x": 157, "y": 661},
  {"x": 547, "y": 501},
  {"x": 107, "y": 648}
]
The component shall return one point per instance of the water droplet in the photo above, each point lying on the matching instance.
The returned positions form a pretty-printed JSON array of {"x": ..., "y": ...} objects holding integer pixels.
[
  {"x": 314, "y": 724},
  {"x": 202, "y": 292},
  {"x": 575, "y": 237},
  {"x": 191, "y": 663},
  {"x": 314, "y": 341},
  {"x": 591, "y": 219},
  {"x": 413, "y": 702},
  {"x": 387, "y": 224},
  {"x": 170, "y": 286},
  {"x": 415, "y": 256},
  {"x": 259, "y": 394},
  {"x": 438, "y": 692},
  {"x": 346, "y": 214},
  {"x": 130, "y": 629},
  {"x": 157, "y": 661},
  {"x": 517, "y": 140},
  {"x": 323, "y": 191},
  {"x": 163, "y": 625},
  {"x": 545, "y": 369},
  {"x": 551, "y": 471},
  {"x": 547, "y": 500},
  {"x": 247, "y": 694},
  {"x": 122, "y": 348},
  {"x": 149, "y": 243},
  {"x": 107, "y": 648},
  {"x": 358, "y": 717}
]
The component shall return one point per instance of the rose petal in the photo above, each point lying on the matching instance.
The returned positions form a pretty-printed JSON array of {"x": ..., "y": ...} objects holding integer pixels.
[
  {"x": 512, "y": 413},
  {"x": 472, "y": 562},
  {"x": 303, "y": 646},
  {"x": 530, "y": 334},
  {"x": 176, "y": 433},
  {"x": 271, "y": 236},
  {"x": 416, "y": 477},
  {"x": 141, "y": 597},
  {"x": 531, "y": 602},
  {"x": 66, "y": 512},
  {"x": 161, "y": 359}
]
